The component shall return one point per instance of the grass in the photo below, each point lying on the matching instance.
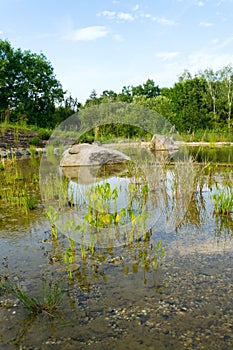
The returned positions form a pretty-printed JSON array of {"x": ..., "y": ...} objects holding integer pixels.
[
  {"x": 223, "y": 201},
  {"x": 49, "y": 303},
  {"x": 211, "y": 136},
  {"x": 19, "y": 185}
]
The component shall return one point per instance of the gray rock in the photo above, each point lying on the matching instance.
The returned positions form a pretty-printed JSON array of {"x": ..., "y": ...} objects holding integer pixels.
[
  {"x": 56, "y": 151},
  {"x": 86, "y": 155},
  {"x": 3, "y": 154},
  {"x": 162, "y": 143}
]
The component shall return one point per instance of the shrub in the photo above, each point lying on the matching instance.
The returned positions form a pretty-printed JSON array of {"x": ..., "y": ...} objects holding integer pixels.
[
  {"x": 34, "y": 141},
  {"x": 44, "y": 134}
]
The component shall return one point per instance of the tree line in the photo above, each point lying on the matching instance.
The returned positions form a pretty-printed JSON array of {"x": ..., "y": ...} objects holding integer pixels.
[{"x": 31, "y": 93}]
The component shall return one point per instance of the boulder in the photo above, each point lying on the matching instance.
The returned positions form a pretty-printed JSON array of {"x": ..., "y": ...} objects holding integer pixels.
[
  {"x": 91, "y": 155},
  {"x": 162, "y": 143}
]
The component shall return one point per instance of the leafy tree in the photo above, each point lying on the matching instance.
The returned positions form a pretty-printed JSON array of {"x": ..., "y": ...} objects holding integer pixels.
[
  {"x": 108, "y": 96},
  {"x": 125, "y": 95},
  {"x": 226, "y": 92},
  {"x": 64, "y": 110},
  {"x": 149, "y": 89},
  {"x": 28, "y": 85},
  {"x": 92, "y": 99},
  {"x": 161, "y": 104},
  {"x": 188, "y": 103},
  {"x": 212, "y": 81}
]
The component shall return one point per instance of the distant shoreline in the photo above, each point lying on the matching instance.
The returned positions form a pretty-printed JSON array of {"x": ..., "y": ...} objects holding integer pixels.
[
  {"x": 22, "y": 151},
  {"x": 177, "y": 143}
]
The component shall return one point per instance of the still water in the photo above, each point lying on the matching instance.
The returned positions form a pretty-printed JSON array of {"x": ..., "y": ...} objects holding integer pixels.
[{"x": 126, "y": 296}]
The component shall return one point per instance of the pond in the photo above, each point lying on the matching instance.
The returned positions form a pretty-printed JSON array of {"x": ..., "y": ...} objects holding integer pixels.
[{"x": 129, "y": 279}]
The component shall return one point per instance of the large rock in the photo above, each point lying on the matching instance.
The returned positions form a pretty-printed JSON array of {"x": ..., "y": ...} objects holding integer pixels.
[
  {"x": 162, "y": 143},
  {"x": 85, "y": 155}
]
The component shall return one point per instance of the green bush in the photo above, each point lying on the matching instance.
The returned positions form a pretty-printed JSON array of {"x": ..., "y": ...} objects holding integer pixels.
[
  {"x": 34, "y": 141},
  {"x": 44, "y": 134}
]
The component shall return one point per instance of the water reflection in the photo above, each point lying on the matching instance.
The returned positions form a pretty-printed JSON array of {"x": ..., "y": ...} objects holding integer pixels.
[
  {"x": 136, "y": 267},
  {"x": 140, "y": 197}
]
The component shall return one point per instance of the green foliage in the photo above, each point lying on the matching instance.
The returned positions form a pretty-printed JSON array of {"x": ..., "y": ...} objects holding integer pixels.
[
  {"x": 159, "y": 253},
  {"x": 208, "y": 135},
  {"x": 53, "y": 216},
  {"x": 44, "y": 134},
  {"x": 34, "y": 141},
  {"x": 223, "y": 201},
  {"x": 49, "y": 303},
  {"x": 17, "y": 191},
  {"x": 31, "y": 94},
  {"x": 100, "y": 197},
  {"x": 102, "y": 207},
  {"x": 28, "y": 86}
]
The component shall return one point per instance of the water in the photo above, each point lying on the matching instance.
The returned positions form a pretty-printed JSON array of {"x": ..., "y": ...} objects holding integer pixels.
[{"x": 117, "y": 299}]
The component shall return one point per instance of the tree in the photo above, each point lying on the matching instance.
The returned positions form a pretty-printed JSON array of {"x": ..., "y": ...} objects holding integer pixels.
[
  {"x": 149, "y": 89},
  {"x": 212, "y": 80},
  {"x": 108, "y": 96},
  {"x": 125, "y": 95},
  {"x": 68, "y": 107},
  {"x": 28, "y": 85},
  {"x": 92, "y": 99},
  {"x": 160, "y": 104},
  {"x": 188, "y": 103},
  {"x": 226, "y": 75}
]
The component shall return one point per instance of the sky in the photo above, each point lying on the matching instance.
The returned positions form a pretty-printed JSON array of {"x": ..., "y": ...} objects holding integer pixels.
[{"x": 108, "y": 44}]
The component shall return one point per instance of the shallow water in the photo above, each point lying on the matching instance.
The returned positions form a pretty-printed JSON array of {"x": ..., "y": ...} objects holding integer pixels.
[{"x": 117, "y": 300}]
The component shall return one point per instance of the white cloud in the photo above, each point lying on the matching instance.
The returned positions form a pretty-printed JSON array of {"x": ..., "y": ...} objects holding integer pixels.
[
  {"x": 206, "y": 24},
  {"x": 226, "y": 42},
  {"x": 124, "y": 16},
  {"x": 164, "y": 21},
  {"x": 201, "y": 60},
  {"x": 146, "y": 15},
  {"x": 136, "y": 8},
  {"x": 215, "y": 41},
  {"x": 167, "y": 55},
  {"x": 118, "y": 37},
  {"x": 200, "y": 3},
  {"x": 108, "y": 14},
  {"x": 159, "y": 19},
  {"x": 220, "y": 2},
  {"x": 87, "y": 33}
]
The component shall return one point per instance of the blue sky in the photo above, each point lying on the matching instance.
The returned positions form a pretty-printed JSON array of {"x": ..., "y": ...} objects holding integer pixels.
[{"x": 104, "y": 45}]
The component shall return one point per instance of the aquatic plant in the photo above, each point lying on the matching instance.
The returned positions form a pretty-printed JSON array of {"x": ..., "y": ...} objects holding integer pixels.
[
  {"x": 18, "y": 189},
  {"x": 27, "y": 201},
  {"x": 48, "y": 303},
  {"x": 52, "y": 215},
  {"x": 159, "y": 253},
  {"x": 151, "y": 257},
  {"x": 223, "y": 201},
  {"x": 68, "y": 260},
  {"x": 72, "y": 244}
]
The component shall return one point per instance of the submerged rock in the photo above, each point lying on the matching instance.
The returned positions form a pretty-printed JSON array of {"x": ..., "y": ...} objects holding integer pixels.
[{"x": 88, "y": 155}]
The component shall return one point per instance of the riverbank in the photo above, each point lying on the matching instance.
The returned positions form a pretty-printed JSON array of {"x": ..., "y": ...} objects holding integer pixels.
[{"x": 22, "y": 149}]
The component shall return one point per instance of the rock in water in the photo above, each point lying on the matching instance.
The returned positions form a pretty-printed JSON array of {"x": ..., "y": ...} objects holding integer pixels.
[
  {"x": 85, "y": 155},
  {"x": 162, "y": 143}
]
